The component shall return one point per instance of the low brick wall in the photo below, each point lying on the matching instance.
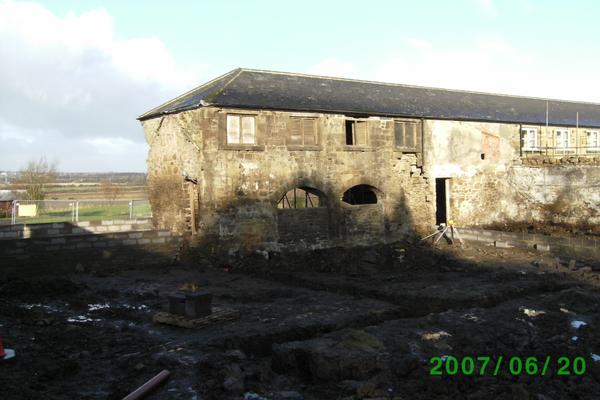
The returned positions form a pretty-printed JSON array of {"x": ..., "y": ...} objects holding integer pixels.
[
  {"x": 72, "y": 228},
  {"x": 575, "y": 246},
  {"x": 89, "y": 252}
]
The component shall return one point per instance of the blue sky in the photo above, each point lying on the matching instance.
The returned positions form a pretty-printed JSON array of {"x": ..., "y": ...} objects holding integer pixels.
[{"x": 75, "y": 74}]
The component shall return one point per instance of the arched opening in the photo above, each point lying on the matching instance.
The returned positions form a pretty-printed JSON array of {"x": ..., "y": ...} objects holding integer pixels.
[
  {"x": 360, "y": 194},
  {"x": 303, "y": 216},
  {"x": 302, "y": 197}
]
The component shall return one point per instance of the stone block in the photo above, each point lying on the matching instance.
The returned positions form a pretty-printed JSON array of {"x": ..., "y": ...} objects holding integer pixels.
[{"x": 541, "y": 247}]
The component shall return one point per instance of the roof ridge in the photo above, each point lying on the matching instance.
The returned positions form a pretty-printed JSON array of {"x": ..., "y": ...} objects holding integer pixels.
[
  {"x": 219, "y": 91},
  {"x": 549, "y": 99},
  {"x": 163, "y": 105}
]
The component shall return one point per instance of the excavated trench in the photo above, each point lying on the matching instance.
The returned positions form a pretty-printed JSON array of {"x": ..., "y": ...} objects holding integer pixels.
[{"x": 359, "y": 332}]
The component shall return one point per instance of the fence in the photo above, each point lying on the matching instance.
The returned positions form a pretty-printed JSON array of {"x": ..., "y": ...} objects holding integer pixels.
[
  {"x": 44, "y": 211},
  {"x": 557, "y": 151}
]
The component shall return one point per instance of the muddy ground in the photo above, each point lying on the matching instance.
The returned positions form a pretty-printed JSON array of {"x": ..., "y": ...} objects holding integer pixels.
[{"x": 337, "y": 324}]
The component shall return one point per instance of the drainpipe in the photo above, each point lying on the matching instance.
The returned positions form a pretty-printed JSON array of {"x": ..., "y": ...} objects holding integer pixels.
[{"x": 423, "y": 143}]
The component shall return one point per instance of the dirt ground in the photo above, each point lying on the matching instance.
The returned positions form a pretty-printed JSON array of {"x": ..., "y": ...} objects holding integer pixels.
[{"x": 336, "y": 324}]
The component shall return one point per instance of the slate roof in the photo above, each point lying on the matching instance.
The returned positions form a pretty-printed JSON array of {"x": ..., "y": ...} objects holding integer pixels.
[{"x": 255, "y": 89}]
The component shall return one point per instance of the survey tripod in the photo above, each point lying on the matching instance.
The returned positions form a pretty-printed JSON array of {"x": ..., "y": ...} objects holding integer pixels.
[{"x": 442, "y": 231}]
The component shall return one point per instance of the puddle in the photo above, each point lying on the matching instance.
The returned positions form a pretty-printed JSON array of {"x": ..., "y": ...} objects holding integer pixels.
[
  {"x": 141, "y": 307},
  {"x": 42, "y": 306},
  {"x": 531, "y": 312},
  {"x": 578, "y": 324},
  {"x": 82, "y": 318},
  {"x": 94, "y": 307}
]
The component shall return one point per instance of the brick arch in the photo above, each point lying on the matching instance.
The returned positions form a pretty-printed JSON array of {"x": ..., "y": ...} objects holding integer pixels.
[
  {"x": 304, "y": 184},
  {"x": 370, "y": 194}
]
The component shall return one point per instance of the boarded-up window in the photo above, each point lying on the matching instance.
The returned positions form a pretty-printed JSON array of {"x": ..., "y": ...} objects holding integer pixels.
[
  {"x": 302, "y": 132},
  {"x": 241, "y": 129},
  {"x": 406, "y": 135},
  {"x": 357, "y": 133}
]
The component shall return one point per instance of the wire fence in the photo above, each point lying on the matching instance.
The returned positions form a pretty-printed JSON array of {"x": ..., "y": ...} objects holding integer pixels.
[{"x": 45, "y": 211}]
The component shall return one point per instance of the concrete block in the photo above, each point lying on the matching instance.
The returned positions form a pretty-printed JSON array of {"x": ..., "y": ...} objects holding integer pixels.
[
  {"x": 158, "y": 240},
  {"x": 163, "y": 233},
  {"x": 502, "y": 245},
  {"x": 99, "y": 244},
  {"x": 113, "y": 228},
  {"x": 541, "y": 247},
  {"x": 198, "y": 304},
  {"x": 101, "y": 229},
  {"x": 107, "y": 222},
  {"x": 58, "y": 241},
  {"x": 83, "y": 223},
  {"x": 129, "y": 242},
  {"x": 83, "y": 245},
  {"x": 136, "y": 235},
  {"x": 143, "y": 241},
  {"x": 76, "y": 231},
  {"x": 58, "y": 225},
  {"x": 52, "y": 232}
]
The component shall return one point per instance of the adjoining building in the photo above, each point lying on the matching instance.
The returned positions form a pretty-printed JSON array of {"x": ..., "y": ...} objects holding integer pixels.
[{"x": 260, "y": 159}]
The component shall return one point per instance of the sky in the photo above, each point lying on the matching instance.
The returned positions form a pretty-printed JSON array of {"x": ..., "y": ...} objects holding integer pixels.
[{"x": 74, "y": 75}]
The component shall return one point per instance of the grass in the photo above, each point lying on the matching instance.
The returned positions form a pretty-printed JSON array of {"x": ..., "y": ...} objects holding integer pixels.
[{"x": 86, "y": 213}]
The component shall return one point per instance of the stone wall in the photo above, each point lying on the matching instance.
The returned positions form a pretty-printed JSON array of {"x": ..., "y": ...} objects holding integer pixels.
[
  {"x": 72, "y": 228},
  {"x": 490, "y": 184},
  {"x": 88, "y": 252},
  {"x": 237, "y": 187}
]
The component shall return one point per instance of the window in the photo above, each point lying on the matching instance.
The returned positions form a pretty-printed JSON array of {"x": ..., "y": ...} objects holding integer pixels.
[
  {"x": 562, "y": 138},
  {"x": 301, "y": 197},
  {"x": 593, "y": 140},
  {"x": 241, "y": 129},
  {"x": 530, "y": 139},
  {"x": 302, "y": 132},
  {"x": 406, "y": 135},
  {"x": 360, "y": 194},
  {"x": 356, "y": 132}
]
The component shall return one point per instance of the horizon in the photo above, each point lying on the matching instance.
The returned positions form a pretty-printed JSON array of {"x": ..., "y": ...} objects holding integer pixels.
[{"x": 77, "y": 74}]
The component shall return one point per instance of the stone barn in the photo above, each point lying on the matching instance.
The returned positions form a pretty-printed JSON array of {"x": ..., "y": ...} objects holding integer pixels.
[{"x": 269, "y": 160}]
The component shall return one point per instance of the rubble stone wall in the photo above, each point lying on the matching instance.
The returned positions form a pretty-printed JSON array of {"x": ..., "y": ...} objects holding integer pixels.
[{"x": 237, "y": 187}]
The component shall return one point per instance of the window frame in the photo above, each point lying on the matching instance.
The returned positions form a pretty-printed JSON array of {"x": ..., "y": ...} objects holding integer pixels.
[
  {"x": 240, "y": 117},
  {"x": 589, "y": 148},
  {"x": 525, "y": 133},
  {"x": 559, "y": 132},
  {"x": 354, "y": 122},
  {"x": 303, "y": 146},
  {"x": 416, "y": 136}
]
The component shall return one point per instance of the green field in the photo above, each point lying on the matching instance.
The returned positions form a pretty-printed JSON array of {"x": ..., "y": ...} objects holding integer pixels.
[{"x": 86, "y": 213}]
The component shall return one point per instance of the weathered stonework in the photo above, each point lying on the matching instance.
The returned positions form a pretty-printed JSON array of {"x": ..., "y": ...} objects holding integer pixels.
[
  {"x": 237, "y": 187},
  {"x": 383, "y": 160},
  {"x": 503, "y": 187}
]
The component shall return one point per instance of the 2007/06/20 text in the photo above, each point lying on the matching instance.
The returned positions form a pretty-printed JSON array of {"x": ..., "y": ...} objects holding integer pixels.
[{"x": 515, "y": 365}]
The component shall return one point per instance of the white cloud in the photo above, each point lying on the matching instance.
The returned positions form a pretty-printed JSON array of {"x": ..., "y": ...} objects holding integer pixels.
[
  {"x": 487, "y": 7},
  {"x": 487, "y": 65},
  {"x": 72, "y": 76}
]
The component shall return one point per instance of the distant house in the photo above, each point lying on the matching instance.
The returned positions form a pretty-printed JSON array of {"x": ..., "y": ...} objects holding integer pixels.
[
  {"x": 270, "y": 159},
  {"x": 6, "y": 199}
]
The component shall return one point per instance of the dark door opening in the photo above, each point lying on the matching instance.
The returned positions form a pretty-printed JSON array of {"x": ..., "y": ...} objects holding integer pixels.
[{"x": 441, "y": 201}]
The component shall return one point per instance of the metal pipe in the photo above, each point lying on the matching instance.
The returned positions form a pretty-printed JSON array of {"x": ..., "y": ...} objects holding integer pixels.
[{"x": 149, "y": 386}]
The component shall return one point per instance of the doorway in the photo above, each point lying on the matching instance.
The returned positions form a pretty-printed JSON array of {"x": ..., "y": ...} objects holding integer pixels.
[{"x": 441, "y": 200}]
